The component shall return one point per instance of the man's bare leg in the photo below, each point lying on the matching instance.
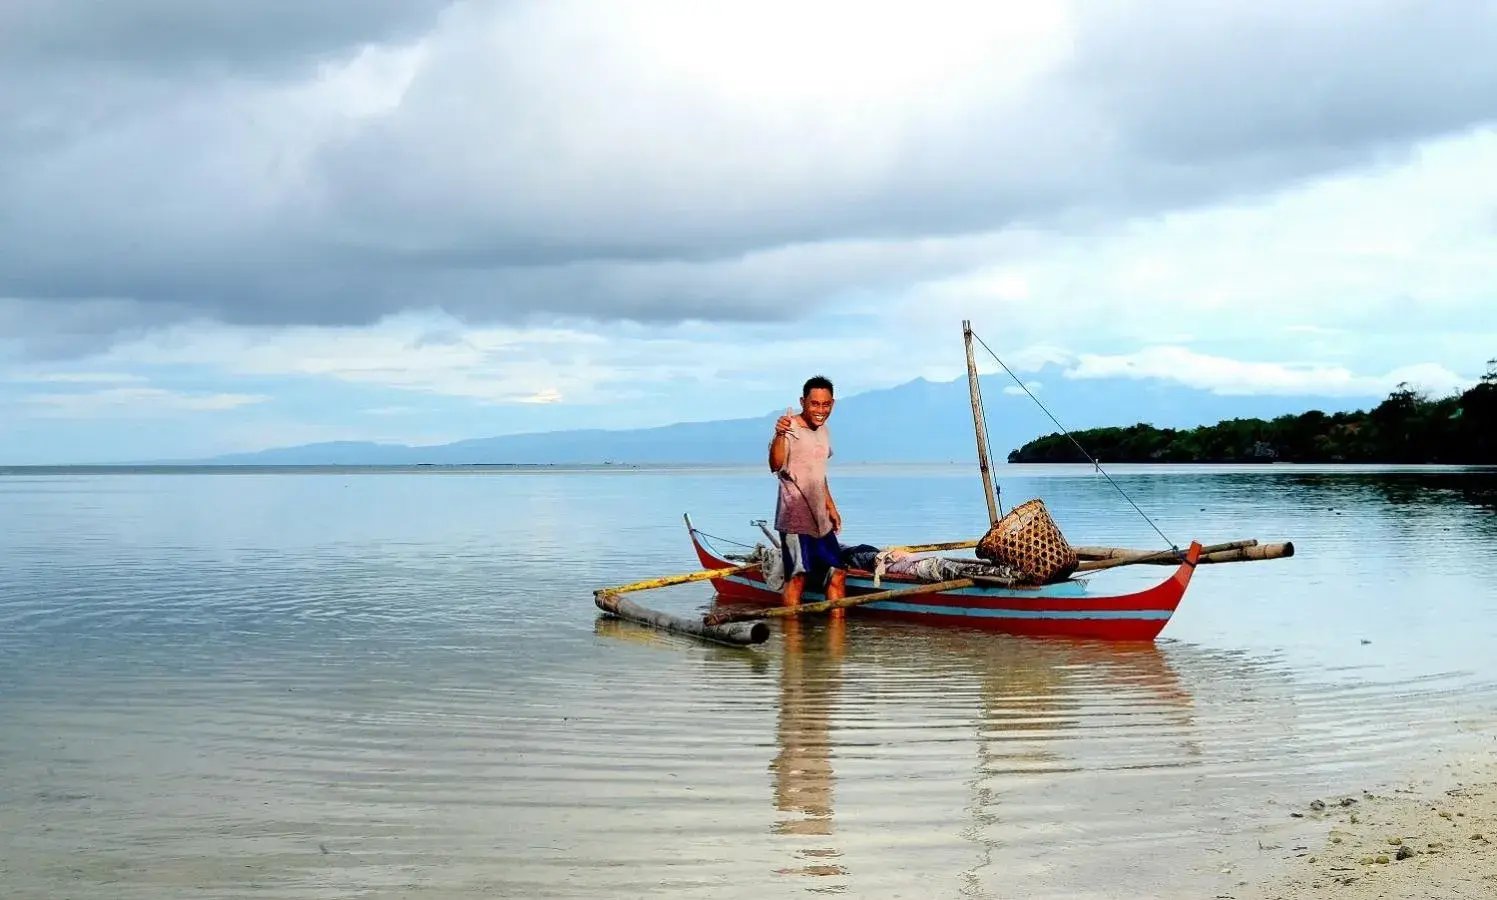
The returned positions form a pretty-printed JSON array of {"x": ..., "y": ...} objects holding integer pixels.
[{"x": 836, "y": 589}]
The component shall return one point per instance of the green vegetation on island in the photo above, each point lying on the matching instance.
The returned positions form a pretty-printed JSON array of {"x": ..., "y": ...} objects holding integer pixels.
[{"x": 1407, "y": 427}]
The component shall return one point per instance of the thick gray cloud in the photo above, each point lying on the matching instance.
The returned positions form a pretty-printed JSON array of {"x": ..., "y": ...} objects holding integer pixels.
[
  {"x": 49, "y": 329},
  {"x": 331, "y": 162},
  {"x": 262, "y": 37},
  {"x": 1311, "y": 81}
]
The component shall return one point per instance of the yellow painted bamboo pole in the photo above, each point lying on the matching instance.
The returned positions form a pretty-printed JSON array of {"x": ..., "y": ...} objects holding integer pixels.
[
  {"x": 931, "y": 548},
  {"x": 669, "y": 580}
]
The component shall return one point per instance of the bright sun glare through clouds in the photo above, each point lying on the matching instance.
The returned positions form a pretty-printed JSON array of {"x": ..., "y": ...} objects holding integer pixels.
[{"x": 230, "y": 227}]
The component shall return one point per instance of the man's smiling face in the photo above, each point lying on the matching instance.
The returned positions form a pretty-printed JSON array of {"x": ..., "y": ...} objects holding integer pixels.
[{"x": 816, "y": 406}]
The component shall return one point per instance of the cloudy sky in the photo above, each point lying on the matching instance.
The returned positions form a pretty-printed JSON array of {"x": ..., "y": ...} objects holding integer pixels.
[{"x": 227, "y": 226}]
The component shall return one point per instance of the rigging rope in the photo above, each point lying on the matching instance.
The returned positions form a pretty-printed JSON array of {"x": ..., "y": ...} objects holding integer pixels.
[
  {"x": 724, "y": 540},
  {"x": 1096, "y": 465}
]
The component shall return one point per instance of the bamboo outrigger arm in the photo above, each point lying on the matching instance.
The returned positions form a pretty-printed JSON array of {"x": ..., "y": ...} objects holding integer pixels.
[
  {"x": 1235, "y": 551},
  {"x": 1094, "y": 558},
  {"x": 1085, "y": 553}
]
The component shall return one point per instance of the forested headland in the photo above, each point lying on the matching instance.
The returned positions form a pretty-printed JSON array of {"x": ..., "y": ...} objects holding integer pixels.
[{"x": 1407, "y": 427}]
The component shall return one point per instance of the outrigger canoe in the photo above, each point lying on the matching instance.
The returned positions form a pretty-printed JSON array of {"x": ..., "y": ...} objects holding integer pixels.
[
  {"x": 1056, "y": 596},
  {"x": 1067, "y": 608}
]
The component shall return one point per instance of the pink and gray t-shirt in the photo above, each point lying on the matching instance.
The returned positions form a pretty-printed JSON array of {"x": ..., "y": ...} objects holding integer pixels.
[{"x": 801, "y": 508}]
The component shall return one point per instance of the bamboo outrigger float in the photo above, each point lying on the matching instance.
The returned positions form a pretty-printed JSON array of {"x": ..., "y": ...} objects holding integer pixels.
[
  {"x": 1060, "y": 601},
  {"x": 736, "y": 634}
]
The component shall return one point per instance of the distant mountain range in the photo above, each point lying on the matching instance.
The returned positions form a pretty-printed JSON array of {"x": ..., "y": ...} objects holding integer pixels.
[{"x": 918, "y": 421}]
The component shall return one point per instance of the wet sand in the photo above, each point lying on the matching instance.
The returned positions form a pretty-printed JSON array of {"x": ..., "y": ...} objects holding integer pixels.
[{"x": 1431, "y": 837}]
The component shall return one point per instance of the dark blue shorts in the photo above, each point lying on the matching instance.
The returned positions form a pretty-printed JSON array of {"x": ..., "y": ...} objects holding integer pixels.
[{"x": 814, "y": 557}]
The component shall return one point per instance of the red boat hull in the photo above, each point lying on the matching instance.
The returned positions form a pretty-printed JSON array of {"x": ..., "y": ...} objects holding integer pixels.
[{"x": 1067, "y": 609}]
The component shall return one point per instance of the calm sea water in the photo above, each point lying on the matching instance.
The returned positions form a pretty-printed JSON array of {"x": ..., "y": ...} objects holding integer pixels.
[{"x": 383, "y": 684}]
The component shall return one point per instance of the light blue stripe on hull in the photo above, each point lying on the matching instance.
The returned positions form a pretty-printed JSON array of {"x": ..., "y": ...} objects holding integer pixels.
[
  {"x": 980, "y": 613},
  {"x": 1064, "y": 590}
]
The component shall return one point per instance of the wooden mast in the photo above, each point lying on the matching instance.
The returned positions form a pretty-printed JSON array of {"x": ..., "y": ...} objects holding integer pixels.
[{"x": 981, "y": 427}]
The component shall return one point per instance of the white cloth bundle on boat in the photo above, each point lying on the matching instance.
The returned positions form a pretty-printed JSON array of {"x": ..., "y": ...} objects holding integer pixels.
[
  {"x": 771, "y": 566},
  {"x": 881, "y": 562},
  {"x": 935, "y": 568}
]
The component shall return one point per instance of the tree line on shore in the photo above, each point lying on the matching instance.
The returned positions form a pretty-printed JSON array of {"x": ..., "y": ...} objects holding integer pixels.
[{"x": 1407, "y": 427}]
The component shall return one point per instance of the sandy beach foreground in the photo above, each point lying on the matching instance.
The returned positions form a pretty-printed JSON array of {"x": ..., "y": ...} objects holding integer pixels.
[{"x": 1433, "y": 838}]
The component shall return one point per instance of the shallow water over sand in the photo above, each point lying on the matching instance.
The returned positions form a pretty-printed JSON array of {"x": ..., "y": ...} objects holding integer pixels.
[{"x": 389, "y": 684}]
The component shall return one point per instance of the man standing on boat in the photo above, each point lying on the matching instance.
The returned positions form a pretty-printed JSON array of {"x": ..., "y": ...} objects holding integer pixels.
[{"x": 805, "y": 514}]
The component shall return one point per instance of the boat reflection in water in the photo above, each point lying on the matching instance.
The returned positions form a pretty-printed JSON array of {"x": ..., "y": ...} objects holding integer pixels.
[{"x": 935, "y": 726}]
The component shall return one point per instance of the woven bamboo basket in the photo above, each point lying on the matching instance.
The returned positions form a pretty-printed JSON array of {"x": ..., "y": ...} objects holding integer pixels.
[{"x": 1028, "y": 541}]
